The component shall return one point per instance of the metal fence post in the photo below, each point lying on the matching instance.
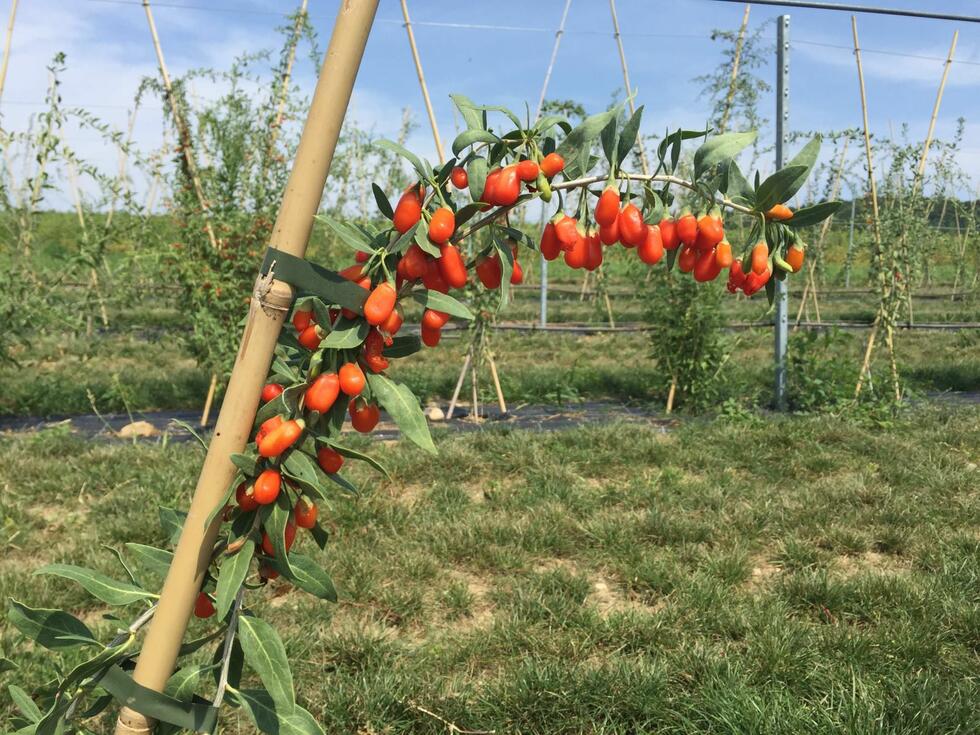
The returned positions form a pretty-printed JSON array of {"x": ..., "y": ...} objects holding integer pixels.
[{"x": 782, "y": 118}]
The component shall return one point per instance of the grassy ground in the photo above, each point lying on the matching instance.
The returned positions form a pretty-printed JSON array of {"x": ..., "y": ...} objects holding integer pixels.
[{"x": 814, "y": 575}]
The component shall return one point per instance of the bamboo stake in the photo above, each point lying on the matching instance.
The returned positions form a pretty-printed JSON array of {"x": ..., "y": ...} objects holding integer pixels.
[
  {"x": 671, "y": 393},
  {"x": 123, "y": 161},
  {"x": 730, "y": 97},
  {"x": 425, "y": 89},
  {"x": 182, "y": 132},
  {"x": 496, "y": 383},
  {"x": 476, "y": 398},
  {"x": 554, "y": 55},
  {"x": 6, "y": 45},
  {"x": 876, "y": 232},
  {"x": 93, "y": 276},
  {"x": 212, "y": 388},
  {"x": 459, "y": 383},
  {"x": 284, "y": 92},
  {"x": 268, "y": 309},
  {"x": 824, "y": 228},
  {"x": 626, "y": 81},
  {"x": 935, "y": 114}
]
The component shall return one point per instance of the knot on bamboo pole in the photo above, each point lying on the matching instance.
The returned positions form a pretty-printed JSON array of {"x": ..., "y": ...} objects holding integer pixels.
[
  {"x": 272, "y": 295},
  {"x": 131, "y": 722}
]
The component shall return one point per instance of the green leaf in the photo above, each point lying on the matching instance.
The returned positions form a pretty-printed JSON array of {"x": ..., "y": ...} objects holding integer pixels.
[
  {"x": 158, "y": 560},
  {"x": 405, "y": 239},
  {"x": 771, "y": 290},
  {"x": 675, "y": 139},
  {"x": 394, "y": 147},
  {"x": 308, "y": 576},
  {"x": 360, "y": 456},
  {"x": 442, "y": 302},
  {"x": 808, "y": 216},
  {"x": 301, "y": 468},
  {"x": 580, "y": 140},
  {"x": 348, "y": 334},
  {"x": 476, "y": 174},
  {"x": 773, "y": 189},
  {"x": 736, "y": 187},
  {"x": 383, "y": 204},
  {"x": 98, "y": 585},
  {"x": 247, "y": 463},
  {"x": 471, "y": 136},
  {"x": 274, "y": 719},
  {"x": 350, "y": 236},
  {"x": 231, "y": 575},
  {"x": 719, "y": 149},
  {"x": 627, "y": 138},
  {"x": 399, "y": 401},
  {"x": 806, "y": 158},
  {"x": 285, "y": 404},
  {"x": 266, "y": 656},
  {"x": 608, "y": 138},
  {"x": 466, "y": 107},
  {"x": 172, "y": 522},
  {"x": 219, "y": 507},
  {"x": 280, "y": 514},
  {"x": 22, "y": 700},
  {"x": 403, "y": 346},
  {"x": 7, "y": 665},
  {"x": 50, "y": 628}
]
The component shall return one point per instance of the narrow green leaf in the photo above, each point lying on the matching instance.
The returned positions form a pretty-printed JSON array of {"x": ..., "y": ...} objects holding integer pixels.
[
  {"x": 383, "y": 204},
  {"x": 719, "y": 149},
  {"x": 247, "y": 463},
  {"x": 806, "y": 158},
  {"x": 48, "y": 627},
  {"x": 308, "y": 576},
  {"x": 350, "y": 236},
  {"x": 476, "y": 174},
  {"x": 231, "y": 575},
  {"x": 7, "y": 665},
  {"x": 172, "y": 522},
  {"x": 299, "y": 467},
  {"x": 399, "y": 401},
  {"x": 280, "y": 515},
  {"x": 403, "y": 346},
  {"x": 360, "y": 456},
  {"x": 266, "y": 656},
  {"x": 808, "y": 216},
  {"x": 466, "y": 107},
  {"x": 579, "y": 141},
  {"x": 273, "y": 719},
  {"x": 442, "y": 302},
  {"x": 773, "y": 189},
  {"x": 394, "y": 147},
  {"x": 22, "y": 700},
  {"x": 158, "y": 560},
  {"x": 627, "y": 138},
  {"x": 471, "y": 136},
  {"x": 98, "y": 585},
  {"x": 347, "y": 335}
]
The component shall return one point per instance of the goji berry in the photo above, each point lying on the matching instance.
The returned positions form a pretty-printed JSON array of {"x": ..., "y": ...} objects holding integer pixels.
[
  {"x": 550, "y": 245},
  {"x": 330, "y": 460},
  {"x": 489, "y": 271},
  {"x": 651, "y": 250},
  {"x": 271, "y": 391},
  {"x": 379, "y": 304},
  {"x": 302, "y": 318},
  {"x": 687, "y": 228},
  {"x": 408, "y": 211},
  {"x": 351, "y": 378},
  {"x": 632, "y": 230},
  {"x": 311, "y": 337},
  {"x": 203, "y": 607},
  {"x": 760, "y": 258},
  {"x": 289, "y": 536},
  {"x": 668, "y": 233},
  {"x": 686, "y": 259},
  {"x": 451, "y": 266},
  {"x": 459, "y": 178},
  {"x": 305, "y": 512},
  {"x": 795, "y": 256},
  {"x": 779, "y": 212},
  {"x": 245, "y": 499},
  {"x": 552, "y": 164},
  {"x": 322, "y": 393},
  {"x": 607, "y": 208},
  {"x": 527, "y": 171},
  {"x": 441, "y": 225},
  {"x": 281, "y": 438},
  {"x": 723, "y": 254},
  {"x": 267, "y": 486},
  {"x": 364, "y": 416}
]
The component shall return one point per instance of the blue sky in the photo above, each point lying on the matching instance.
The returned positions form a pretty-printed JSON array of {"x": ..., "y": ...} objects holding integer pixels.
[{"x": 667, "y": 44}]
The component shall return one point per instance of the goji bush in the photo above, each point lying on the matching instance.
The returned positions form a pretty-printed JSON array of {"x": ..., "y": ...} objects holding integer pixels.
[{"x": 332, "y": 363}]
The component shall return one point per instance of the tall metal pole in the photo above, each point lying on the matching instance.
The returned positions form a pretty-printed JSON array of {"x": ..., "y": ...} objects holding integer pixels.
[
  {"x": 782, "y": 120},
  {"x": 269, "y": 306}
]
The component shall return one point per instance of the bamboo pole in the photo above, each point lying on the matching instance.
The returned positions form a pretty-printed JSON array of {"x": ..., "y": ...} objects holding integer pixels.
[
  {"x": 83, "y": 226},
  {"x": 284, "y": 92},
  {"x": 425, "y": 89},
  {"x": 626, "y": 81},
  {"x": 730, "y": 97},
  {"x": 123, "y": 162},
  {"x": 496, "y": 383},
  {"x": 554, "y": 55},
  {"x": 935, "y": 114},
  {"x": 183, "y": 133},
  {"x": 824, "y": 228},
  {"x": 459, "y": 383},
  {"x": 269, "y": 306},
  {"x": 6, "y": 45},
  {"x": 209, "y": 400},
  {"x": 876, "y": 232}
]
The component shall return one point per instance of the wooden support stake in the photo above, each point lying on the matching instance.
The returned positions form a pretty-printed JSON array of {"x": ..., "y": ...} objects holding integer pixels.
[
  {"x": 732, "y": 86},
  {"x": 183, "y": 133},
  {"x": 554, "y": 55},
  {"x": 626, "y": 81},
  {"x": 209, "y": 400},
  {"x": 269, "y": 307},
  {"x": 287, "y": 75},
  {"x": 425, "y": 89},
  {"x": 496, "y": 383},
  {"x": 876, "y": 232},
  {"x": 6, "y": 45},
  {"x": 459, "y": 383},
  {"x": 671, "y": 393}
]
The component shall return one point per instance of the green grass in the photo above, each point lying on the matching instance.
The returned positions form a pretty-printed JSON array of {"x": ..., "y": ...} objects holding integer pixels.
[{"x": 808, "y": 575}]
